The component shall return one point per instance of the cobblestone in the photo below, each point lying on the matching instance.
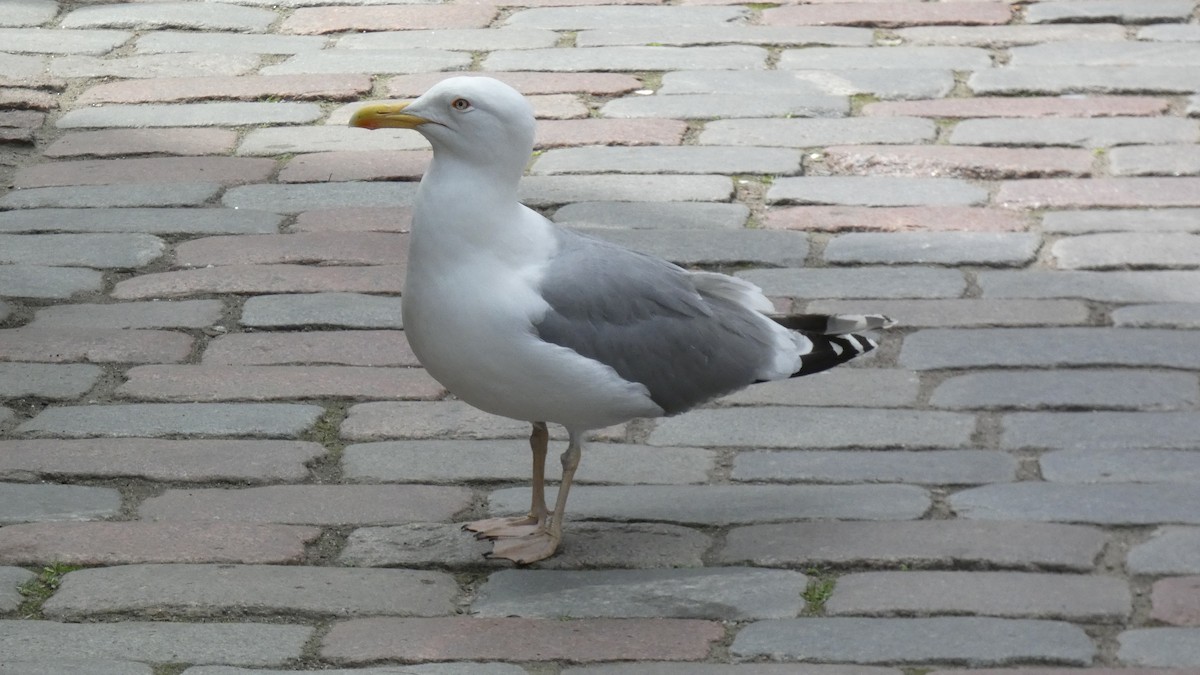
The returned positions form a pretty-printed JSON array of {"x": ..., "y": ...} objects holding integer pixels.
[
  {"x": 1086, "y": 389},
  {"x": 168, "y": 141},
  {"x": 149, "y": 220},
  {"x": 172, "y": 314},
  {"x": 1099, "y": 429},
  {"x": 53, "y": 381},
  {"x": 1177, "y": 601},
  {"x": 65, "y": 344},
  {"x": 21, "y": 503},
  {"x": 346, "y": 310},
  {"x": 1103, "y": 504},
  {"x": 805, "y": 133},
  {"x": 1088, "y": 133},
  {"x": 1161, "y": 315},
  {"x": 890, "y": 83},
  {"x": 1170, "y": 550},
  {"x": 169, "y": 419},
  {"x": 190, "y": 114},
  {"x": 1122, "y": 251},
  {"x": 1118, "y": 286},
  {"x": 81, "y": 250},
  {"x": 643, "y": 215},
  {"x": 1131, "y": 12},
  {"x": 993, "y": 347},
  {"x": 938, "y": 248},
  {"x": 966, "y": 312},
  {"x": 1160, "y": 647},
  {"x": 11, "y": 579},
  {"x": 170, "y": 15},
  {"x": 272, "y": 383},
  {"x": 244, "y": 88},
  {"x": 866, "y": 282},
  {"x": 112, "y": 196},
  {"x": 947, "y": 467}
]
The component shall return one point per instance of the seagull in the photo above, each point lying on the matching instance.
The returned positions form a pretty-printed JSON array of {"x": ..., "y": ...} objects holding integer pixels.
[{"x": 524, "y": 319}]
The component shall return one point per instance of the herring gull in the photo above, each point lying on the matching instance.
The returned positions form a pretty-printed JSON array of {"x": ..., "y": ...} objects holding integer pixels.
[{"x": 521, "y": 318}]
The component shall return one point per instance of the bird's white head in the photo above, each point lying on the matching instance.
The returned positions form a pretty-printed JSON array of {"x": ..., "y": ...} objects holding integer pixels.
[{"x": 477, "y": 119}]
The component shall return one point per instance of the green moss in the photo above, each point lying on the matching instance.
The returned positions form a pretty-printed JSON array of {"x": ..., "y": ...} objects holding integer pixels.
[
  {"x": 38, "y": 590},
  {"x": 820, "y": 587}
]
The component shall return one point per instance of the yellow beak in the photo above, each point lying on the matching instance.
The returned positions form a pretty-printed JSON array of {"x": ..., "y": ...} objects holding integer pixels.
[{"x": 385, "y": 116}]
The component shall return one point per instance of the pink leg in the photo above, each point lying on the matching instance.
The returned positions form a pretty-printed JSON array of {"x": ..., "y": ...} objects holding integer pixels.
[{"x": 490, "y": 528}]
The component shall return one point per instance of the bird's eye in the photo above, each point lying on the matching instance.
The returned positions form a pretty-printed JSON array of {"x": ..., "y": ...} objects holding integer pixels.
[{"x": 460, "y": 104}]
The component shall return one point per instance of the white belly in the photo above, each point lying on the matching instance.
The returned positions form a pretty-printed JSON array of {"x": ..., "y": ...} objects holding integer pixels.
[{"x": 475, "y": 335}]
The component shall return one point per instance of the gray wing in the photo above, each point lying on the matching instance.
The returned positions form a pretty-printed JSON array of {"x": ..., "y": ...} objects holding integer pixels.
[{"x": 646, "y": 319}]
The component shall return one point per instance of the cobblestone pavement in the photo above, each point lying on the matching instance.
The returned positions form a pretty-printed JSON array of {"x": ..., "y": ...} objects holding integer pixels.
[{"x": 220, "y": 457}]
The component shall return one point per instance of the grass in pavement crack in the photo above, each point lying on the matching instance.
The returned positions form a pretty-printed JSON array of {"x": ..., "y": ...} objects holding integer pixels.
[
  {"x": 820, "y": 587},
  {"x": 38, "y": 590}
]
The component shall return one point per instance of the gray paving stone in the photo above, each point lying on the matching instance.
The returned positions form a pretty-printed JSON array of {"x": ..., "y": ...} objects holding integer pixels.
[
  {"x": 173, "y": 41},
  {"x": 1144, "y": 11},
  {"x": 1170, "y": 32},
  {"x": 152, "y": 221},
  {"x": 1083, "y": 430},
  {"x": 144, "y": 66},
  {"x": 584, "y": 546},
  {"x": 581, "y": 18},
  {"x": 250, "y": 644},
  {"x": 944, "y": 248},
  {"x": 539, "y": 191},
  {"x": 28, "y": 12},
  {"x": 861, "y": 282},
  {"x": 794, "y": 427},
  {"x": 198, "y": 591},
  {"x": 105, "y": 196},
  {"x": 427, "y": 419},
  {"x": 1089, "y": 389},
  {"x": 24, "y": 503},
  {"x": 1084, "y": 79},
  {"x": 457, "y": 461},
  {"x": 668, "y": 159},
  {"x": 11, "y": 580},
  {"x": 191, "y": 461},
  {"x": 1161, "y": 315},
  {"x": 683, "y": 35},
  {"x": 691, "y": 247},
  {"x": 81, "y": 250},
  {"x": 663, "y": 668},
  {"x": 58, "y": 283},
  {"x": 1102, "y": 504},
  {"x": 1124, "y": 250},
  {"x": 47, "y": 380},
  {"x": 456, "y": 668},
  {"x": 728, "y": 504},
  {"x": 889, "y": 83},
  {"x": 220, "y": 113},
  {"x": 6, "y": 415},
  {"x": 150, "y": 314},
  {"x": 1170, "y": 550},
  {"x": 1118, "y": 465},
  {"x": 277, "y": 141},
  {"x": 392, "y": 61},
  {"x": 1154, "y": 160},
  {"x": 346, "y": 310},
  {"x": 1193, "y": 108},
  {"x": 923, "y": 543},
  {"x": 991, "y": 347},
  {"x": 464, "y": 39},
  {"x": 638, "y": 58},
  {"x": 310, "y": 196},
  {"x": 1117, "y": 286},
  {"x": 1110, "y": 53},
  {"x": 905, "y": 57},
  {"x": 935, "y": 467},
  {"x": 40, "y": 41},
  {"x": 5, "y": 310},
  {"x": 972, "y": 641},
  {"x": 807, "y": 133},
  {"x": 973, "y": 312},
  {"x": 1006, "y": 35},
  {"x": 1097, "y": 132},
  {"x": 709, "y": 106},
  {"x": 1165, "y": 647},
  {"x": 878, "y": 191},
  {"x": 170, "y": 419},
  {"x": 654, "y": 215},
  {"x": 1092, "y": 599},
  {"x": 867, "y": 387},
  {"x": 722, "y": 593},
  {"x": 171, "y": 15},
  {"x": 53, "y": 666}
]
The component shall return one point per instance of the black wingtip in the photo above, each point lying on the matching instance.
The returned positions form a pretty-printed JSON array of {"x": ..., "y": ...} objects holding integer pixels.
[{"x": 829, "y": 351}]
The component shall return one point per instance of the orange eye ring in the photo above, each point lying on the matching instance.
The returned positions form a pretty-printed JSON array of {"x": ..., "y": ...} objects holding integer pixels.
[{"x": 460, "y": 104}]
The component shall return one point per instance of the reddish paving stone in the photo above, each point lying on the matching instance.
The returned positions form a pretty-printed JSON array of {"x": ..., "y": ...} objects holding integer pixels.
[
  {"x": 311, "y": 504},
  {"x": 890, "y": 14},
  {"x": 355, "y": 219},
  {"x": 895, "y": 219},
  {"x": 118, "y": 543},
  {"x": 338, "y": 87},
  {"x": 321, "y": 167},
  {"x": 223, "y": 170},
  {"x": 100, "y": 345},
  {"x": 343, "y": 347},
  {"x": 22, "y": 119},
  {"x": 517, "y": 639},
  {"x": 1176, "y": 601},
  {"x": 263, "y": 279},
  {"x": 17, "y": 136},
  {"x": 274, "y": 383},
  {"x": 1067, "y": 671},
  {"x": 1099, "y": 192},
  {"x": 1014, "y": 106},
  {"x": 165, "y": 141},
  {"x": 321, "y": 20},
  {"x": 957, "y": 161},
  {"x": 155, "y": 459},
  {"x": 562, "y": 133},
  {"x": 528, "y": 83},
  {"x": 352, "y": 248},
  {"x": 12, "y": 98}
]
